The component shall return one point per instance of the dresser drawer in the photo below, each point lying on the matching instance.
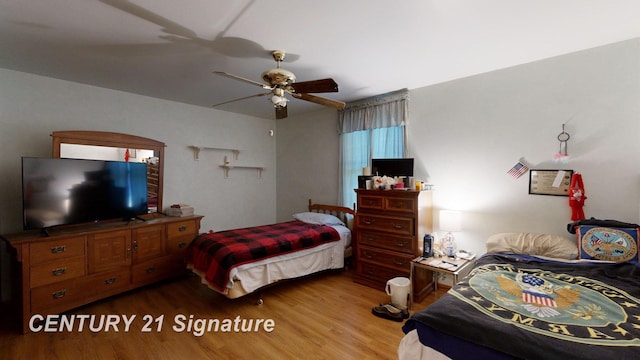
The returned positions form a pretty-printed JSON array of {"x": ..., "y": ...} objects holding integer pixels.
[
  {"x": 58, "y": 295},
  {"x": 372, "y": 202},
  {"x": 108, "y": 283},
  {"x": 390, "y": 259},
  {"x": 58, "y": 270},
  {"x": 182, "y": 228},
  {"x": 404, "y": 244},
  {"x": 62, "y": 248},
  {"x": 397, "y": 225},
  {"x": 153, "y": 270},
  {"x": 177, "y": 245},
  {"x": 406, "y": 205},
  {"x": 74, "y": 292},
  {"x": 378, "y": 274}
]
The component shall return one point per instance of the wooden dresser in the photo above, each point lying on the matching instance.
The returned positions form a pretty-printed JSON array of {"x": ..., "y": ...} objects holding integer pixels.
[
  {"x": 390, "y": 226},
  {"x": 77, "y": 265}
]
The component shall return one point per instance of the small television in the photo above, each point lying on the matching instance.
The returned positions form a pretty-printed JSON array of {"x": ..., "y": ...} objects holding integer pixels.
[
  {"x": 59, "y": 191},
  {"x": 392, "y": 167}
]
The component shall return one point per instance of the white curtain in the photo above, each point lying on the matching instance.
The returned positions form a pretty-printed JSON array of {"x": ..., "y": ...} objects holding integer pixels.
[{"x": 370, "y": 128}]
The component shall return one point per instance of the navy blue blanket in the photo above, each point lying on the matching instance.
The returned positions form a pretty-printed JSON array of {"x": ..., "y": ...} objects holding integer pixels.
[{"x": 530, "y": 308}]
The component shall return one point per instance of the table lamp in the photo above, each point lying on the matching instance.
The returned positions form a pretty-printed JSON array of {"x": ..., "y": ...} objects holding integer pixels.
[{"x": 450, "y": 221}]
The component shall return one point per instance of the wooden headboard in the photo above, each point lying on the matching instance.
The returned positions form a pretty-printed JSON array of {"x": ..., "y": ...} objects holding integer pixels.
[
  {"x": 345, "y": 214},
  {"x": 348, "y": 216}
]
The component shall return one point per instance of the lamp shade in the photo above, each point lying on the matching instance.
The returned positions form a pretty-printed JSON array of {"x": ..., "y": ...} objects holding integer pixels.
[{"x": 450, "y": 220}]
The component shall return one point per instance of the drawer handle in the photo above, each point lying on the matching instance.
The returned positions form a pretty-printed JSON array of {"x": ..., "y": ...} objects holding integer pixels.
[
  {"x": 59, "y": 271},
  {"x": 58, "y": 249},
  {"x": 368, "y": 221},
  {"x": 398, "y": 262},
  {"x": 182, "y": 228},
  {"x": 59, "y": 294},
  {"x": 135, "y": 245},
  {"x": 401, "y": 244},
  {"x": 370, "y": 238},
  {"x": 182, "y": 245},
  {"x": 369, "y": 255},
  {"x": 150, "y": 270},
  {"x": 398, "y": 226},
  {"x": 109, "y": 281}
]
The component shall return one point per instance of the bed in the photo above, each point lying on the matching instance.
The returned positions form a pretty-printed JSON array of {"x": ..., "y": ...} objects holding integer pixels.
[
  {"x": 536, "y": 296},
  {"x": 243, "y": 261}
]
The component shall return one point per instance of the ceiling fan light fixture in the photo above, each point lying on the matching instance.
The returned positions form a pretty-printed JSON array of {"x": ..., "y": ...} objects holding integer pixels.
[
  {"x": 279, "y": 100},
  {"x": 280, "y": 82},
  {"x": 280, "y": 77}
]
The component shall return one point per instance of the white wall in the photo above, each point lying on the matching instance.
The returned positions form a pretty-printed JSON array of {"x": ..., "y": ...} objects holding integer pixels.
[
  {"x": 308, "y": 154},
  {"x": 31, "y": 107},
  {"x": 466, "y": 134}
]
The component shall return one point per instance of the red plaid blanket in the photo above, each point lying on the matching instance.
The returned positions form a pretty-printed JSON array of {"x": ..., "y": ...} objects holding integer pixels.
[{"x": 215, "y": 254}]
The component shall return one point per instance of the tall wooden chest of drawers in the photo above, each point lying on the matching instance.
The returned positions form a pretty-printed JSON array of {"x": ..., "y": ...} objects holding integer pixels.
[{"x": 390, "y": 225}]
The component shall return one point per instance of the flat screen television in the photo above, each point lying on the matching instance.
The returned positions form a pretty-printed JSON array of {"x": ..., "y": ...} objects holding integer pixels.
[
  {"x": 392, "y": 167},
  {"x": 58, "y": 191}
]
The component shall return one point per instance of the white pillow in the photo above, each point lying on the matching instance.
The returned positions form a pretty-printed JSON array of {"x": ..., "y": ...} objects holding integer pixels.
[
  {"x": 533, "y": 244},
  {"x": 318, "y": 218}
]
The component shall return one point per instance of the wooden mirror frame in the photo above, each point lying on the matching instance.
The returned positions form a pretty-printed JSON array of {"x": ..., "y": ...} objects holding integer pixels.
[{"x": 111, "y": 139}]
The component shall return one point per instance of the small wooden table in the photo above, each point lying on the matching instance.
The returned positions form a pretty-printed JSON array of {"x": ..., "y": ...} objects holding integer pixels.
[{"x": 441, "y": 265}]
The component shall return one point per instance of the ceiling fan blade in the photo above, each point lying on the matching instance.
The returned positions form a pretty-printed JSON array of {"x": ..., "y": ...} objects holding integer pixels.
[
  {"x": 320, "y": 100},
  {"x": 281, "y": 112},
  {"x": 242, "y": 98},
  {"x": 315, "y": 86},
  {"x": 231, "y": 76}
]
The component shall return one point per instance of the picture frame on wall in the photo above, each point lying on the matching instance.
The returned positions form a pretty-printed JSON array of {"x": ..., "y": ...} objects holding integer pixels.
[{"x": 550, "y": 182}]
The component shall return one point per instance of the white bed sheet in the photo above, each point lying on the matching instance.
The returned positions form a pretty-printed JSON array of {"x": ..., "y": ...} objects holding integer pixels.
[
  {"x": 247, "y": 278},
  {"x": 411, "y": 348}
]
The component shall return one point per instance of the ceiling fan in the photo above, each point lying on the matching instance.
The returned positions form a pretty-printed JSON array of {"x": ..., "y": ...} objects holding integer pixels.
[{"x": 280, "y": 82}]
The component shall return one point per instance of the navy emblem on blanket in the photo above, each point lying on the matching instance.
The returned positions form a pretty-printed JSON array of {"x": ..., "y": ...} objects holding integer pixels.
[{"x": 560, "y": 305}]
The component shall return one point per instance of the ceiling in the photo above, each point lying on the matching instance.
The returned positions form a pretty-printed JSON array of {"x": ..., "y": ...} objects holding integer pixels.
[{"x": 168, "y": 49}]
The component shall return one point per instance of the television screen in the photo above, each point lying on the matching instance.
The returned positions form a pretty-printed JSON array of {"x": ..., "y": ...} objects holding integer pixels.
[
  {"x": 59, "y": 191},
  {"x": 392, "y": 167}
]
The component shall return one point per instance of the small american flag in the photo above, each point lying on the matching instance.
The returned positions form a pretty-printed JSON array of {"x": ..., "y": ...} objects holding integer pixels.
[{"x": 518, "y": 169}]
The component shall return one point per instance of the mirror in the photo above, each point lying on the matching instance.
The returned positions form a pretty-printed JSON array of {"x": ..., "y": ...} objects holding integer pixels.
[{"x": 101, "y": 145}]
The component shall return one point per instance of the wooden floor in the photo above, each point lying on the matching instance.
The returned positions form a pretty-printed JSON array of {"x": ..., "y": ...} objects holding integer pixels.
[{"x": 325, "y": 316}]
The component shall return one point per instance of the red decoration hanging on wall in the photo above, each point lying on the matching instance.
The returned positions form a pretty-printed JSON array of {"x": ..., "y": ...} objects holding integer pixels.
[
  {"x": 576, "y": 197},
  {"x": 126, "y": 155}
]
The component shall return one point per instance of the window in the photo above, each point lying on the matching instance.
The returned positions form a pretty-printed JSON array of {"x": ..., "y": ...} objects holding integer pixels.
[
  {"x": 370, "y": 128},
  {"x": 359, "y": 147}
]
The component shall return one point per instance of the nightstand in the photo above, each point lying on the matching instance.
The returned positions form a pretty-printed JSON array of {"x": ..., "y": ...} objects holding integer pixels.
[{"x": 441, "y": 265}]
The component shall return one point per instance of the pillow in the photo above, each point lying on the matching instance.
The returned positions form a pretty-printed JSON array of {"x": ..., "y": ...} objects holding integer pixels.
[
  {"x": 533, "y": 244},
  {"x": 318, "y": 218},
  {"x": 610, "y": 244}
]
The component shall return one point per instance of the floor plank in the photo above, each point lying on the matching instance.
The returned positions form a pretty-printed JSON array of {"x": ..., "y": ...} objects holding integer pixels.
[{"x": 325, "y": 316}]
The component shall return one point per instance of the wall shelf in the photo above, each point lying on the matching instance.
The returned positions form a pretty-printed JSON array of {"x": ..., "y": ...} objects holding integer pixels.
[
  {"x": 196, "y": 151},
  {"x": 229, "y": 167}
]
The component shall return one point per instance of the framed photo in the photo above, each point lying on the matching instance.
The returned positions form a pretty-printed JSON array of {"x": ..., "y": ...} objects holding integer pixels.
[{"x": 550, "y": 182}]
